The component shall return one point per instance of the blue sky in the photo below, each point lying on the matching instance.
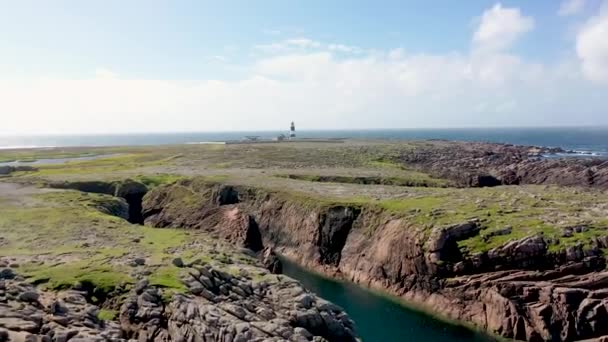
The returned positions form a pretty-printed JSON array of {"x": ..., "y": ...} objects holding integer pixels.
[{"x": 77, "y": 66}]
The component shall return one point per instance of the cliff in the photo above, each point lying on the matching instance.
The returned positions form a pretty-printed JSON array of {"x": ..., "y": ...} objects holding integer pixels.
[{"x": 522, "y": 283}]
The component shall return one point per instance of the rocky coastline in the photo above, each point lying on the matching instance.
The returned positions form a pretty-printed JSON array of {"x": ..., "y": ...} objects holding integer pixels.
[
  {"x": 491, "y": 235},
  {"x": 520, "y": 290}
]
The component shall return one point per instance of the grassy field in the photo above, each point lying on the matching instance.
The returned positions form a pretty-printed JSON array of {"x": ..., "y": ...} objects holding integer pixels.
[
  {"x": 59, "y": 239},
  {"x": 62, "y": 237}
]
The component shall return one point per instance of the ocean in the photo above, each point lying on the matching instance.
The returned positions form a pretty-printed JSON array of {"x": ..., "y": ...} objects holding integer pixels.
[{"x": 592, "y": 140}]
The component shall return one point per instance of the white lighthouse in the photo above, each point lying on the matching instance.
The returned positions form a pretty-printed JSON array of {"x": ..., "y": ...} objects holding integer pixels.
[{"x": 292, "y": 131}]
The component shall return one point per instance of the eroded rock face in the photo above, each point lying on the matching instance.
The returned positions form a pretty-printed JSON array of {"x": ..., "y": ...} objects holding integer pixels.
[
  {"x": 227, "y": 222},
  {"x": 321, "y": 235},
  {"x": 535, "y": 306},
  {"x": 226, "y": 307},
  {"x": 519, "y": 290},
  {"x": 336, "y": 223}
]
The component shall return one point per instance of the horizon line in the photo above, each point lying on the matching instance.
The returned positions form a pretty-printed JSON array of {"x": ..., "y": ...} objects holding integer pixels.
[{"x": 602, "y": 126}]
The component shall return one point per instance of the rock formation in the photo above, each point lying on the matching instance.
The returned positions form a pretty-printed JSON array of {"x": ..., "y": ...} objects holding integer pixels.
[
  {"x": 520, "y": 289},
  {"x": 487, "y": 164},
  {"x": 225, "y": 307},
  {"x": 218, "y": 306}
]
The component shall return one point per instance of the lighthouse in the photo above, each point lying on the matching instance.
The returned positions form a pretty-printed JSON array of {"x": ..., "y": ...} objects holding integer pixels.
[{"x": 292, "y": 131}]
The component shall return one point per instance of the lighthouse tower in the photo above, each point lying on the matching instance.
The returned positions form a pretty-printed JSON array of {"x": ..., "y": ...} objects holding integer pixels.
[{"x": 292, "y": 131}]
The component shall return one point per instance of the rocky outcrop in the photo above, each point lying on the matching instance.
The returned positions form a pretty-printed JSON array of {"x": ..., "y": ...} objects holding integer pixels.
[
  {"x": 114, "y": 206},
  {"x": 217, "y": 307},
  {"x": 520, "y": 289},
  {"x": 489, "y": 164},
  {"x": 226, "y": 307},
  {"x": 271, "y": 261},
  {"x": 29, "y": 315},
  {"x": 534, "y": 306}
]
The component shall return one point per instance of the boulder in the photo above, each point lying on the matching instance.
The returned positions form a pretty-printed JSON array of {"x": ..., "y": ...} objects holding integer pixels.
[{"x": 271, "y": 261}]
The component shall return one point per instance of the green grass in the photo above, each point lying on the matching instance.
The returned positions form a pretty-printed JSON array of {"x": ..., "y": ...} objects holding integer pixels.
[
  {"x": 107, "y": 315},
  {"x": 414, "y": 205},
  {"x": 385, "y": 164},
  {"x": 158, "y": 242},
  {"x": 407, "y": 179},
  {"x": 167, "y": 277},
  {"x": 56, "y": 224},
  {"x": 104, "y": 277},
  {"x": 152, "y": 181}
]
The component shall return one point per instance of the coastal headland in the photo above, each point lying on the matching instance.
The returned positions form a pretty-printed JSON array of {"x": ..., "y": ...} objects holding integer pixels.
[{"x": 175, "y": 242}]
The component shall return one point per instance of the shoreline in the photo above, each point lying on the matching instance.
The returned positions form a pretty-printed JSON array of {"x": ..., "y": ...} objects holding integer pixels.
[{"x": 591, "y": 139}]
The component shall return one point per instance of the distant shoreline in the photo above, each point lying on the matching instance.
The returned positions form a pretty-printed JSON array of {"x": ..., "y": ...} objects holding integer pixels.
[{"x": 584, "y": 140}]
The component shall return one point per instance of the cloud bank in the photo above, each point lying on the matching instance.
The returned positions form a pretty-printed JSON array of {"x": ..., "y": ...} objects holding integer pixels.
[
  {"x": 592, "y": 46},
  {"x": 332, "y": 85}
]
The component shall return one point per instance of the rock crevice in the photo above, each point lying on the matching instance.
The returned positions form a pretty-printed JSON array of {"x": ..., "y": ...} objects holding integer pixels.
[{"x": 131, "y": 191}]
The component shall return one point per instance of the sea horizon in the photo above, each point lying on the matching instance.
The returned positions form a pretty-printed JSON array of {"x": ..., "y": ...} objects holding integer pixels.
[{"x": 577, "y": 138}]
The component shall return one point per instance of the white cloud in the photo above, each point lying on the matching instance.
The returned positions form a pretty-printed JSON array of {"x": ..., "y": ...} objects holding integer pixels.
[
  {"x": 323, "y": 87},
  {"x": 500, "y": 27},
  {"x": 571, "y": 7},
  {"x": 344, "y": 48},
  {"x": 592, "y": 46},
  {"x": 318, "y": 90},
  {"x": 292, "y": 44},
  {"x": 305, "y": 44}
]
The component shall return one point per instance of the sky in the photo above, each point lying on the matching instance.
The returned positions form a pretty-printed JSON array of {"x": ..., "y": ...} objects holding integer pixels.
[{"x": 113, "y": 66}]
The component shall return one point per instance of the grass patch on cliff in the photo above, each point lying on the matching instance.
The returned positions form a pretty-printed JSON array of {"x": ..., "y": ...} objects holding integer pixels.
[
  {"x": 152, "y": 181},
  {"x": 107, "y": 315},
  {"x": 58, "y": 277},
  {"x": 158, "y": 242},
  {"x": 530, "y": 210},
  {"x": 167, "y": 277},
  {"x": 407, "y": 179}
]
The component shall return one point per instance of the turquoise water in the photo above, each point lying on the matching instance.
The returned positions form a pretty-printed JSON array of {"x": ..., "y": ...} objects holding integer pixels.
[
  {"x": 379, "y": 319},
  {"x": 592, "y": 139}
]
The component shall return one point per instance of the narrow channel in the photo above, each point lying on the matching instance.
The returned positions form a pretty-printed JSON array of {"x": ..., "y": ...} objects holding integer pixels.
[{"x": 378, "y": 318}]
